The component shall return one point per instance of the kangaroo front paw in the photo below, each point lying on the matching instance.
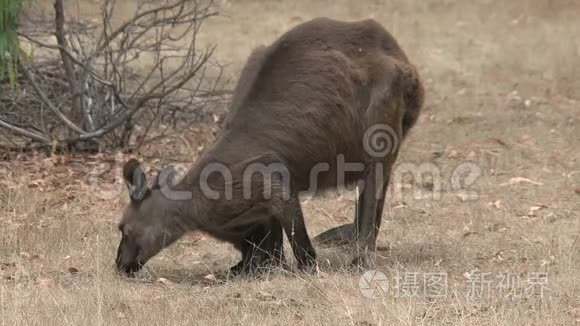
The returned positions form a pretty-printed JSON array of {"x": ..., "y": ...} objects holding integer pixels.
[
  {"x": 310, "y": 266},
  {"x": 240, "y": 268},
  {"x": 359, "y": 263},
  {"x": 307, "y": 262},
  {"x": 363, "y": 261}
]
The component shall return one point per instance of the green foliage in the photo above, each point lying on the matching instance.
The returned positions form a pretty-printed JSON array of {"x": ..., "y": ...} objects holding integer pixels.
[{"x": 9, "y": 47}]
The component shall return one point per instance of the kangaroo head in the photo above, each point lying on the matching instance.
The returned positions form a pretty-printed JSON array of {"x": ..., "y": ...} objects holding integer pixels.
[{"x": 150, "y": 221}]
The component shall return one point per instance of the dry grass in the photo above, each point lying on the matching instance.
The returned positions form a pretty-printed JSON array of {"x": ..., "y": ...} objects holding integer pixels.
[{"x": 473, "y": 57}]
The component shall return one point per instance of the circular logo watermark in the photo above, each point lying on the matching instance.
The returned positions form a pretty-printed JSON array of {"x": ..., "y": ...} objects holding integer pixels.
[
  {"x": 380, "y": 140},
  {"x": 373, "y": 284}
]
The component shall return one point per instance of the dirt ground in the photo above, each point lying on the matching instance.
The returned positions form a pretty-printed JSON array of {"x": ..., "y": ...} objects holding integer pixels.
[{"x": 502, "y": 99}]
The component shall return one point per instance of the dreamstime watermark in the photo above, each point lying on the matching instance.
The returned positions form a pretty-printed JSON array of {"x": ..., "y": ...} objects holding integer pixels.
[
  {"x": 380, "y": 142},
  {"x": 375, "y": 284}
]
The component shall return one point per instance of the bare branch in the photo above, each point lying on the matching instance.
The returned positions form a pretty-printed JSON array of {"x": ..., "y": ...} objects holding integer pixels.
[
  {"x": 70, "y": 56},
  {"x": 47, "y": 101},
  {"x": 24, "y": 132},
  {"x": 97, "y": 90},
  {"x": 130, "y": 22},
  {"x": 63, "y": 48}
]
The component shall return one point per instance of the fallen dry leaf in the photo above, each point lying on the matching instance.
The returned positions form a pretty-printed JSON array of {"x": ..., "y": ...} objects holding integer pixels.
[
  {"x": 73, "y": 270},
  {"x": 466, "y": 234},
  {"x": 464, "y": 196},
  {"x": 210, "y": 277},
  {"x": 496, "y": 204},
  {"x": 400, "y": 205},
  {"x": 163, "y": 281},
  {"x": 498, "y": 141},
  {"x": 518, "y": 180},
  {"x": 534, "y": 209}
]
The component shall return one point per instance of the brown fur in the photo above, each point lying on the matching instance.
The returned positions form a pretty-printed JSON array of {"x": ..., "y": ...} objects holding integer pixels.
[{"x": 302, "y": 101}]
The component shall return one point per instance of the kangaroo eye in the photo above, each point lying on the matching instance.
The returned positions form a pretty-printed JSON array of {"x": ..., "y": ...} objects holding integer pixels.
[{"x": 121, "y": 227}]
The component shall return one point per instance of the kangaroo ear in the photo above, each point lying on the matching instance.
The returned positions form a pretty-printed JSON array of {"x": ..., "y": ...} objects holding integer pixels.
[{"x": 135, "y": 180}]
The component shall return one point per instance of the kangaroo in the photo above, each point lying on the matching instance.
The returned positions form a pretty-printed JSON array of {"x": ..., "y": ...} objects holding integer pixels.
[{"x": 304, "y": 108}]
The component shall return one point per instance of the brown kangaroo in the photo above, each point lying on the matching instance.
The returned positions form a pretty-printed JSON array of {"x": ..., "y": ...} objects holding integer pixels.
[{"x": 304, "y": 108}]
